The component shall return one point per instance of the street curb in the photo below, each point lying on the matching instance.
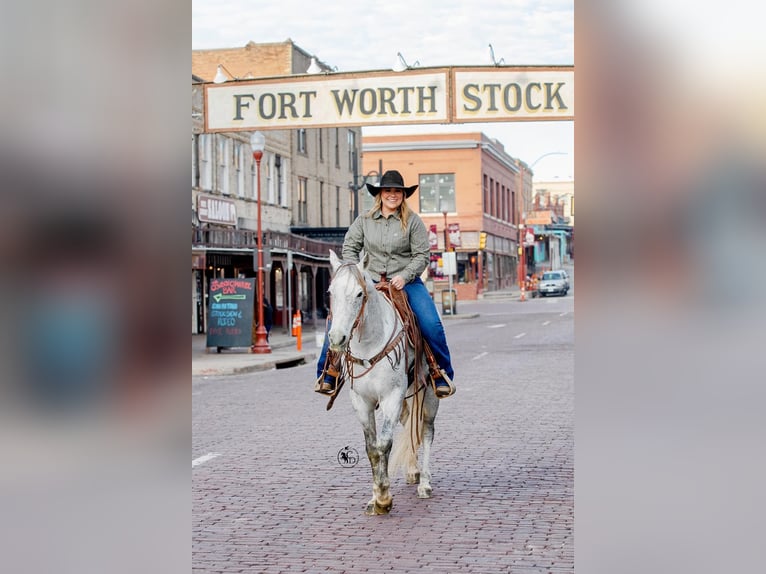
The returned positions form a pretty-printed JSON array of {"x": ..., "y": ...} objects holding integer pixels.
[
  {"x": 297, "y": 359},
  {"x": 461, "y": 316}
]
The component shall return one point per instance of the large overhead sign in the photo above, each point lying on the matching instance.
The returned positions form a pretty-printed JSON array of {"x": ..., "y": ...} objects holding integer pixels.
[{"x": 419, "y": 96}]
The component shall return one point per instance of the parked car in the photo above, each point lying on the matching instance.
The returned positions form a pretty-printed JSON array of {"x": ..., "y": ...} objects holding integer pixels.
[{"x": 553, "y": 283}]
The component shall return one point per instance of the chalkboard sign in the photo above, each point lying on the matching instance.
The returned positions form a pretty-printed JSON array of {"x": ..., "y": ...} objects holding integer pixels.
[{"x": 230, "y": 312}]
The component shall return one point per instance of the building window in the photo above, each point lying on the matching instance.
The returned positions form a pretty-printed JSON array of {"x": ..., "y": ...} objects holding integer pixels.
[
  {"x": 437, "y": 193},
  {"x": 351, "y": 205},
  {"x": 321, "y": 204},
  {"x": 302, "y": 141},
  {"x": 239, "y": 159},
  {"x": 321, "y": 145},
  {"x": 267, "y": 167},
  {"x": 485, "y": 189},
  {"x": 205, "y": 161},
  {"x": 490, "y": 192},
  {"x": 302, "y": 200},
  {"x": 337, "y": 147},
  {"x": 337, "y": 206},
  {"x": 514, "y": 212},
  {"x": 351, "y": 149},
  {"x": 280, "y": 183},
  {"x": 223, "y": 165},
  {"x": 195, "y": 160}
]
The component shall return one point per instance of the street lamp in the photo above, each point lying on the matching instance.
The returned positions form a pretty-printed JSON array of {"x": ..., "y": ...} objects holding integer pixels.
[
  {"x": 355, "y": 185},
  {"x": 258, "y": 143},
  {"x": 531, "y": 165}
]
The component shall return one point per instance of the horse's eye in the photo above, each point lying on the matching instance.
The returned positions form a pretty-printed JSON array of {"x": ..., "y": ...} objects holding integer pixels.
[{"x": 359, "y": 294}]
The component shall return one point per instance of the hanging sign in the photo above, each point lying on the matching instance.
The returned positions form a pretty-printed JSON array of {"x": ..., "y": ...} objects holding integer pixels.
[
  {"x": 416, "y": 96},
  {"x": 433, "y": 237},
  {"x": 454, "y": 235},
  {"x": 512, "y": 94}
]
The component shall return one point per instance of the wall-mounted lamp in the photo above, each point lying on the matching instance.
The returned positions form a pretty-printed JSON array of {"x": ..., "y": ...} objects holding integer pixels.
[
  {"x": 492, "y": 57},
  {"x": 401, "y": 64},
  {"x": 314, "y": 67},
  {"x": 221, "y": 77}
]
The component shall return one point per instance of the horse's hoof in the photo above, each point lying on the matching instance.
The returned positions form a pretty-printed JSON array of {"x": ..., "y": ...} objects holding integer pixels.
[
  {"x": 375, "y": 509},
  {"x": 413, "y": 478},
  {"x": 424, "y": 492}
]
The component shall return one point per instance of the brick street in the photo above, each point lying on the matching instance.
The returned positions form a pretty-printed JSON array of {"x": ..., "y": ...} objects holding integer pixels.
[{"x": 270, "y": 496}]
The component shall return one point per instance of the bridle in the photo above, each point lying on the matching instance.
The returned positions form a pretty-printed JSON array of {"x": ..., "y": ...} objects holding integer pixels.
[{"x": 395, "y": 340}]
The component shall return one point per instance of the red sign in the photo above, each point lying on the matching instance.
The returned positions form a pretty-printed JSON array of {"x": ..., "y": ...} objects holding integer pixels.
[
  {"x": 433, "y": 237},
  {"x": 454, "y": 234}
]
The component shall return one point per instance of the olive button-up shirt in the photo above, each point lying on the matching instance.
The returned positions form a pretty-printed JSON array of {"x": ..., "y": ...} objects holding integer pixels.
[{"x": 391, "y": 249}]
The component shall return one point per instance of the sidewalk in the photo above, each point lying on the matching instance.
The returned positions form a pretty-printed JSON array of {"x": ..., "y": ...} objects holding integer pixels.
[{"x": 284, "y": 353}]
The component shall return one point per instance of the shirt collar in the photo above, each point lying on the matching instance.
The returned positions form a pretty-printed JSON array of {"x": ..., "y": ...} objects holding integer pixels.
[{"x": 379, "y": 214}]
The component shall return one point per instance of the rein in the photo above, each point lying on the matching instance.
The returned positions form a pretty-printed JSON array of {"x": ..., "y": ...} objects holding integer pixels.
[{"x": 395, "y": 339}]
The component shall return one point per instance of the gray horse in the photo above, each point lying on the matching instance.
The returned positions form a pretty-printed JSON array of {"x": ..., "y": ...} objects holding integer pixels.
[{"x": 378, "y": 356}]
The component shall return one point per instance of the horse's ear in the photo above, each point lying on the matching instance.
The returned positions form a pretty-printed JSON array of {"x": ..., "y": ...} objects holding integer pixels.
[
  {"x": 334, "y": 261},
  {"x": 364, "y": 258}
]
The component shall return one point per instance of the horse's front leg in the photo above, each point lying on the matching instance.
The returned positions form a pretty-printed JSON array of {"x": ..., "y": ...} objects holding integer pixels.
[
  {"x": 378, "y": 445},
  {"x": 365, "y": 412}
]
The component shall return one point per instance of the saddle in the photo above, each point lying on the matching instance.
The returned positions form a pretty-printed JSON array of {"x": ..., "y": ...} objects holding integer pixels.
[{"x": 411, "y": 331}]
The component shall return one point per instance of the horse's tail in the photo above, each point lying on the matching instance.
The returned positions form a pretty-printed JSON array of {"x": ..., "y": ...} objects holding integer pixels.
[{"x": 407, "y": 442}]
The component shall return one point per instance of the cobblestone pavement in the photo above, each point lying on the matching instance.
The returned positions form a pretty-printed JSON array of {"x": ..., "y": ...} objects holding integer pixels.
[{"x": 269, "y": 494}]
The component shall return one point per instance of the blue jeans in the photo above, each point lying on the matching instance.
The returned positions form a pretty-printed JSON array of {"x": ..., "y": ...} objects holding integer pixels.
[{"x": 428, "y": 320}]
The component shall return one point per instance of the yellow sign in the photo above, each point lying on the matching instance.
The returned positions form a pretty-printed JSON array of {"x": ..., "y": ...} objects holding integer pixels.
[{"x": 419, "y": 96}]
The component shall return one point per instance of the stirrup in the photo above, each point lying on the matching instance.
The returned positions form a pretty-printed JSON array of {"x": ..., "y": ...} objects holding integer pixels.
[
  {"x": 324, "y": 386},
  {"x": 442, "y": 391}
]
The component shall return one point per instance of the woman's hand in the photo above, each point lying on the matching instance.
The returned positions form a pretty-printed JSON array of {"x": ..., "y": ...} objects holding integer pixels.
[{"x": 398, "y": 282}]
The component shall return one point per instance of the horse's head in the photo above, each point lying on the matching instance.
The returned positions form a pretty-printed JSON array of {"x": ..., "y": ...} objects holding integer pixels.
[{"x": 349, "y": 290}]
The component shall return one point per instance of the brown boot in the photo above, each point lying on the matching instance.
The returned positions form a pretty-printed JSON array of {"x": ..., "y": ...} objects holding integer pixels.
[
  {"x": 328, "y": 380},
  {"x": 440, "y": 381}
]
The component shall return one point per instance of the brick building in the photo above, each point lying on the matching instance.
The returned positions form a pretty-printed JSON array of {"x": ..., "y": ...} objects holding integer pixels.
[
  {"x": 305, "y": 185},
  {"x": 467, "y": 183}
]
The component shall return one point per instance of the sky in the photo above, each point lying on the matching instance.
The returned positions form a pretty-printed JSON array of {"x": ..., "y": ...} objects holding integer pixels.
[{"x": 355, "y": 35}]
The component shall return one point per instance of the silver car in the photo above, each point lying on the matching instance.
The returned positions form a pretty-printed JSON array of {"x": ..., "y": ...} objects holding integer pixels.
[{"x": 553, "y": 283}]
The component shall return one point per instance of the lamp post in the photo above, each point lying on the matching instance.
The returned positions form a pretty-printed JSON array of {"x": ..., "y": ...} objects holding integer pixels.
[
  {"x": 355, "y": 185},
  {"x": 522, "y": 231},
  {"x": 522, "y": 263},
  {"x": 447, "y": 245},
  {"x": 261, "y": 345}
]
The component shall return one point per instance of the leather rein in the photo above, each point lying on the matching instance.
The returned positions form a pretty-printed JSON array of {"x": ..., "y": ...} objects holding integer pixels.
[{"x": 393, "y": 344}]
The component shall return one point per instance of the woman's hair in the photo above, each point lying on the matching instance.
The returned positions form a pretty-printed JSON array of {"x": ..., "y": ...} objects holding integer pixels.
[{"x": 404, "y": 209}]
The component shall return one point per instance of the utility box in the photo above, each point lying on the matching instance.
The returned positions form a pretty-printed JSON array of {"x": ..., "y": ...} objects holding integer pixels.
[{"x": 449, "y": 302}]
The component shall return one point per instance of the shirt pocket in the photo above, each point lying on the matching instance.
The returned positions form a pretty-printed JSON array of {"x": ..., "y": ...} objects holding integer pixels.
[{"x": 399, "y": 241}]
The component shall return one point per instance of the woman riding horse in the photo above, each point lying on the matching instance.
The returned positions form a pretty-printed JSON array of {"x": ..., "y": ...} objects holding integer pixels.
[{"x": 396, "y": 241}]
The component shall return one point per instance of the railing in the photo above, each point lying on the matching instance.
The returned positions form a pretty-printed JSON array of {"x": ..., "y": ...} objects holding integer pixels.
[{"x": 247, "y": 239}]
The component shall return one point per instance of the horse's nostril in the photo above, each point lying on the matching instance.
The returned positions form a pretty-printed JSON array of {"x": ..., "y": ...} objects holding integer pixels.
[{"x": 337, "y": 341}]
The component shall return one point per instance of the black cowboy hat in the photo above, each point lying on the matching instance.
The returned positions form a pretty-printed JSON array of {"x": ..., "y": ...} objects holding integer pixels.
[{"x": 394, "y": 179}]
